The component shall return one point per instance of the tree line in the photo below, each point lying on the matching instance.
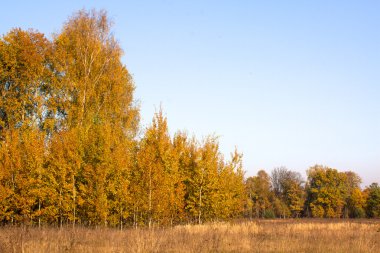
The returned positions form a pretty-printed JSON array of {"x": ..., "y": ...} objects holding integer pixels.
[
  {"x": 72, "y": 150},
  {"x": 327, "y": 193}
]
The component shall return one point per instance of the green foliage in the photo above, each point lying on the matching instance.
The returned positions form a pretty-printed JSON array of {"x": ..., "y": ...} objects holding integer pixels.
[
  {"x": 269, "y": 214},
  {"x": 373, "y": 201}
]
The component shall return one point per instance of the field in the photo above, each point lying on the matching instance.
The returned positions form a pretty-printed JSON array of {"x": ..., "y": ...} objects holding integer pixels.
[{"x": 253, "y": 236}]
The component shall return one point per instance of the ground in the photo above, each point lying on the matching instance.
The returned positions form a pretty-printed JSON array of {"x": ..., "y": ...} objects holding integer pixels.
[{"x": 303, "y": 235}]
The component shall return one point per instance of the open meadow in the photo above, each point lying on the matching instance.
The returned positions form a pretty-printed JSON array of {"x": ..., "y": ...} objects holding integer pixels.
[{"x": 251, "y": 236}]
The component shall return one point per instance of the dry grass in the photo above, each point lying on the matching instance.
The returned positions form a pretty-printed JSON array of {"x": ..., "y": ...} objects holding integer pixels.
[{"x": 256, "y": 236}]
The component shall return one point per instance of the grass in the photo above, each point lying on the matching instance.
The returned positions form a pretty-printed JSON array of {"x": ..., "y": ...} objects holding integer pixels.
[{"x": 253, "y": 236}]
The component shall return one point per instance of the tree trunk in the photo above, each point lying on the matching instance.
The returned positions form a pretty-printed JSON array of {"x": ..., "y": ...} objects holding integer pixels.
[
  {"x": 39, "y": 213},
  {"x": 200, "y": 206},
  {"x": 74, "y": 204}
]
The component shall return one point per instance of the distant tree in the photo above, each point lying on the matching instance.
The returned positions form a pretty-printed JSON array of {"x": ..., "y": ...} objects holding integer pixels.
[
  {"x": 373, "y": 201},
  {"x": 287, "y": 186},
  {"x": 280, "y": 208},
  {"x": 295, "y": 199},
  {"x": 327, "y": 191},
  {"x": 354, "y": 206},
  {"x": 260, "y": 194}
]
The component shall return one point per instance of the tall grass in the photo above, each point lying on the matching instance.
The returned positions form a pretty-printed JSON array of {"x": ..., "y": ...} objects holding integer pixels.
[{"x": 255, "y": 236}]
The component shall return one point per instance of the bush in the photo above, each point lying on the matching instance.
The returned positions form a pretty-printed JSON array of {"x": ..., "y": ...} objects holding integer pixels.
[
  {"x": 358, "y": 213},
  {"x": 269, "y": 214}
]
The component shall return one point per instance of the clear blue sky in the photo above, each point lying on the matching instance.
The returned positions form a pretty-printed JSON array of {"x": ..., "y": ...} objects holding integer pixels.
[{"x": 290, "y": 83}]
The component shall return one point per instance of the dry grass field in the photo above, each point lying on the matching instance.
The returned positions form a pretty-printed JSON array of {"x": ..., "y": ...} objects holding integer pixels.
[{"x": 255, "y": 236}]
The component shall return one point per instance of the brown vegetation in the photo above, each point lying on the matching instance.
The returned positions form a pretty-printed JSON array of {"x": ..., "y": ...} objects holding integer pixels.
[{"x": 255, "y": 236}]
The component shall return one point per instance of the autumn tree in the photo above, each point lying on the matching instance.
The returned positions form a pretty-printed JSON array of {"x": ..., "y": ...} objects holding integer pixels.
[
  {"x": 10, "y": 164},
  {"x": 287, "y": 186},
  {"x": 356, "y": 203},
  {"x": 159, "y": 191},
  {"x": 25, "y": 78},
  {"x": 97, "y": 84},
  {"x": 68, "y": 139},
  {"x": 355, "y": 200},
  {"x": 373, "y": 201},
  {"x": 25, "y": 75},
  {"x": 202, "y": 181},
  {"x": 326, "y": 191},
  {"x": 231, "y": 189},
  {"x": 63, "y": 162},
  {"x": 260, "y": 195},
  {"x": 98, "y": 105},
  {"x": 71, "y": 150}
]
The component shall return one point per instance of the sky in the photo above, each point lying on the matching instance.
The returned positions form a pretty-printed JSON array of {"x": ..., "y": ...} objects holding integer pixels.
[{"x": 289, "y": 83}]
